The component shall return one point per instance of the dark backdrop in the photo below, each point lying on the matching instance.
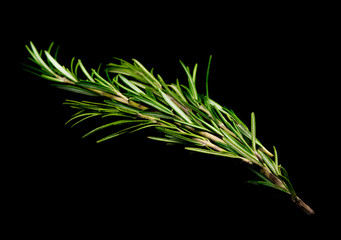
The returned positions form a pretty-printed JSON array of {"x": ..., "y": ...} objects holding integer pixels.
[{"x": 276, "y": 65}]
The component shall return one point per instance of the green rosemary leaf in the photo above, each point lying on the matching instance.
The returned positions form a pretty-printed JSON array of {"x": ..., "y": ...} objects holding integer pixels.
[
  {"x": 191, "y": 81},
  {"x": 246, "y": 133},
  {"x": 75, "y": 89},
  {"x": 100, "y": 80},
  {"x": 175, "y": 108},
  {"x": 85, "y": 71},
  {"x": 149, "y": 77},
  {"x": 178, "y": 91},
  {"x": 209, "y": 126},
  {"x": 50, "y": 48},
  {"x": 119, "y": 122},
  {"x": 80, "y": 115},
  {"x": 60, "y": 68},
  {"x": 158, "y": 115},
  {"x": 276, "y": 161},
  {"x": 196, "y": 126},
  {"x": 284, "y": 172},
  {"x": 268, "y": 184},
  {"x": 253, "y": 131},
  {"x": 239, "y": 148},
  {"x": 131, "y": 85},
  {"x": 240, "y": 138},
  {"x": 93, "y": 106},
  {"x": 194, "y": 75},
  {"x": 118, "y": 69},
  {"x": 129, "y": 90},
  {"x": 144, "y": 127},
  {"x": 288, "y": 184},
  {"x": 153, "y": 103},
  {"x": 227, "y": 147},
  {"x": 181, "y": 136},
  {"x": 271, "y": 165},
  {"x": 95, "y": 86},
  {"x": 50, "y": 78},
  {"x": 74, "y": 74},
  {"x": 37, "y": 58},
  {"x": 34, "y": 70},
  {"x": 261, "y": 176},
  {"x": 166, "y": 140},
  {"x": 150, "y": 93},
  {"x": 265, "y": 181},
  {"x": 235, "y": 118},
  {"x": 206, "y": 151},
  {"x": 207, "y": 74},
  {"x": 123, "y": 131},
  {"x": 75, "y": 71},
  {"x": 122, "y": 107},
  {"x": 223, "y": 119},
  {"x": 85, "y": 117}
]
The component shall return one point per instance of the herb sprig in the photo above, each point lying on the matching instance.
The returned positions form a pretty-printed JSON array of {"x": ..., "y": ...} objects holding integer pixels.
[{"x": 136, "y": 99}]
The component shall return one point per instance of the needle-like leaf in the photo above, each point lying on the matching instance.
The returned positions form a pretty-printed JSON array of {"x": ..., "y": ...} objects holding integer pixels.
[
  {"x": 253, "y": 131},
  {"x": 61, "y": 69},
  {"x": 207, "y": 74},
  {"x": 175, "y": 108}
]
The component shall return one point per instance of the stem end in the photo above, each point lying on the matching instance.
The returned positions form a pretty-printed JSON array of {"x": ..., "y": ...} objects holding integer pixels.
[{"x": 302, "y": 205}]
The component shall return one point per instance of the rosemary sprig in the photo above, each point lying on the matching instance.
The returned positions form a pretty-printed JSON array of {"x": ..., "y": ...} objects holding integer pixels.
[{"x": 137, "y": 99}]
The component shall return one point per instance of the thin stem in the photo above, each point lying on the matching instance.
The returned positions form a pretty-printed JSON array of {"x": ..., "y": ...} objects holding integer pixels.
[{"x": 302, "y": 205}]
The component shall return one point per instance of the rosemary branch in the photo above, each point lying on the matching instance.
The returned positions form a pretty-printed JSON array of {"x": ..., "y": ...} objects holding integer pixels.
[{"x": 138, "y": 98}]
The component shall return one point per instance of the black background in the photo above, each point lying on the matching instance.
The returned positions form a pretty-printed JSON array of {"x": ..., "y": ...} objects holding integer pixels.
[{"x": 278, "y": 64}]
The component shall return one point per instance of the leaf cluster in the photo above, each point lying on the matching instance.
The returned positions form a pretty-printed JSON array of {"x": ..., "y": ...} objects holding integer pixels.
[{"x": 136, "y": 99}]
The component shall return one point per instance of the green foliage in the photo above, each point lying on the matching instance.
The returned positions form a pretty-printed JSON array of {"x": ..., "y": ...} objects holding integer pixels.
[{"x": 132, "y": 96}]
